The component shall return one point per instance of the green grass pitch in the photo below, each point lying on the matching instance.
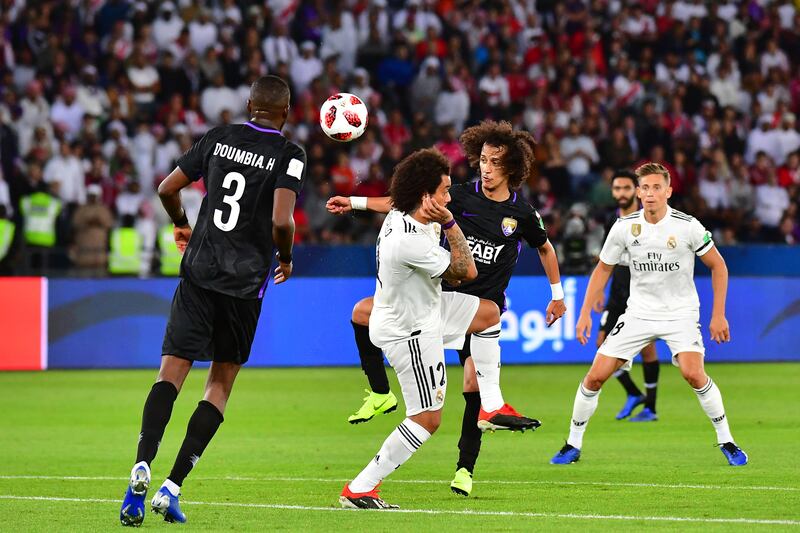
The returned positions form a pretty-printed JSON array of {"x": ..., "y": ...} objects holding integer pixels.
[{"x": 68, "y": 438}]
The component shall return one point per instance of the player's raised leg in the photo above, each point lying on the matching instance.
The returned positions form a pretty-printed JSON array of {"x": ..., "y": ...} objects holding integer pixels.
[
  {"x": 379, "y": 399},
  {"x": 203, "y": 424},
  {"x": 155, "y": 416},
  {"x": 485, "y": 348},
  {"x": 710, "y": 397},
  {"x": 419, "y": 363},
  {"x": 650, "y": 368},
  {"x": 586, "y": 400}
]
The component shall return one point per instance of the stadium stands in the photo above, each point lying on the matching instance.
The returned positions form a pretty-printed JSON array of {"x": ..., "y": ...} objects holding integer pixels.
[{"x": 97, "y": 101}]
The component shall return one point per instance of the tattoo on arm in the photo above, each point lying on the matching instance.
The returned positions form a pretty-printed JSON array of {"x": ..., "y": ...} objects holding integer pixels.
[{"x": 460, "y": 255}]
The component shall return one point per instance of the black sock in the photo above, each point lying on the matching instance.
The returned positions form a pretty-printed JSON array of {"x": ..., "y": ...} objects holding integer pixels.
[
  {"x": 625, "y": 380},
  {"x": 157, "y": 410},
  {"x": 371, "y": 360},
  {"x": 469, "y": 445},
  {"x": 202, "y": 426},
  {"x": 651, "y": 383}
]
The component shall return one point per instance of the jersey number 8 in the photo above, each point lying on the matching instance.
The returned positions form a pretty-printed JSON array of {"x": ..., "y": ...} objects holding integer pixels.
[{"x": 232, "y": 200}]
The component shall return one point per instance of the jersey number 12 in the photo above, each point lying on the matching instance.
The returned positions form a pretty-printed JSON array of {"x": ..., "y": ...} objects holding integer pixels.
[{"x": 232, "y": 200}]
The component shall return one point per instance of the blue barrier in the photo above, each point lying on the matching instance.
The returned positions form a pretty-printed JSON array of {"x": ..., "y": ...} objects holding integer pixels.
[
  {"x": 359, "y": 261},
  {"x": 306, "y": 322}
]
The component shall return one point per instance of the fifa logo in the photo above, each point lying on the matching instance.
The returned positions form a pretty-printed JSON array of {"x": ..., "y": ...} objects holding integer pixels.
[{"x": 531, "y": 327}]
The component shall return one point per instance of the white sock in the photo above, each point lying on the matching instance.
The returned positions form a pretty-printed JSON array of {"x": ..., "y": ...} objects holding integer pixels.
[
  {"x": 398, "y": 447},
  {"x": 172, "y": 487},
  {"x": 583, "y": 409},
  {"x": 137, "y": 465},
  {"x": 485, "y": 347},
  {"x": 711, "y": 402}
]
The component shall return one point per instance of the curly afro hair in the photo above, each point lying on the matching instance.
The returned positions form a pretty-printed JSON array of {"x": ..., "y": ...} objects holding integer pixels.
[
  {"x": 418, "y": 174},
  {"x": 517, "y": 160}
]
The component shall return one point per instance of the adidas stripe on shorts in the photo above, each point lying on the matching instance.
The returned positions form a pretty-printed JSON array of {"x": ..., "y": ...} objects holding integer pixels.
[{"x": 419, "y": 360}]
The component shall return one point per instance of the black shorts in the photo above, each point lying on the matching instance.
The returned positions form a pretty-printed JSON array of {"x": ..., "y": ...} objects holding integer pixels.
[
  {"x": 609, "y": 318},
  {"x": 205, "y": 325}
]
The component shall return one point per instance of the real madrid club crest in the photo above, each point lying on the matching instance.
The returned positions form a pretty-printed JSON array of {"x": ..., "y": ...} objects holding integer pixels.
[
  {"x": 636, "y": 229},
  {"x": 439, "y": 396},
  {"x": 672, "y": 242},
  {"x": 509, "y": 226}
]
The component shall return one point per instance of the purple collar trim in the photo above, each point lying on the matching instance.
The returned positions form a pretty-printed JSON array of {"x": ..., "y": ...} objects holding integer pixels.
[
  {"x": 515, "y": 197},
  {"x": 477, "y": 185},
  {"x": 263, "y": 130}
]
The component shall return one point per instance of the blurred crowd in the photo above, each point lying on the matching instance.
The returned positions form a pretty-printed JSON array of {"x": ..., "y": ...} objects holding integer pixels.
[{"x": 98, "y": 99}]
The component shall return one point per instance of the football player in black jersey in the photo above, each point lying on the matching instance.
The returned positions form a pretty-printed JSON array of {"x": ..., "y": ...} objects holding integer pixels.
[
  {"x": 495, "y": 220},
  {"x": 623, "y": 188},
  {"x": 253, "y": 176}
]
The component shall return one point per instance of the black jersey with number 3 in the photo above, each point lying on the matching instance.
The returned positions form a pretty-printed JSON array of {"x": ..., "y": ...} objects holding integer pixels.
[
  {"x": 231, "y": 248},
  {"x": 494, "y": 231}
]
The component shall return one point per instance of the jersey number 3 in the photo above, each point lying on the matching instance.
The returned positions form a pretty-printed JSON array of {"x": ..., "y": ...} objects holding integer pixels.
[{"x": 231, "y": 178}]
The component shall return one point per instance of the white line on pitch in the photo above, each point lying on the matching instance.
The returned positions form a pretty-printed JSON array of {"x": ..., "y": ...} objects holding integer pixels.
[
  {"x": 433, "y": 481},
  {"x": 441, "y": 511}
]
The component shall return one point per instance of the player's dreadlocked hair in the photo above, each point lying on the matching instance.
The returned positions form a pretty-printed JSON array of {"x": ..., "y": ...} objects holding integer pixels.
[
  {"x": 517, "y": 160},
  {"x": 416, "y": 175}
]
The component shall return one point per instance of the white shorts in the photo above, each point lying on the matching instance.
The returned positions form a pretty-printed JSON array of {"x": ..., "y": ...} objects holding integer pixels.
[
  {"x": 458, "y": 310},
  {"x": 419, "y": 361},
  {"x": 630, "y": 335}
]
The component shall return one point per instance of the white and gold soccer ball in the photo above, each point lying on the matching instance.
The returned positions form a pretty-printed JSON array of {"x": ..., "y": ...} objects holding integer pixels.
[{"x": 343, "y": 117}]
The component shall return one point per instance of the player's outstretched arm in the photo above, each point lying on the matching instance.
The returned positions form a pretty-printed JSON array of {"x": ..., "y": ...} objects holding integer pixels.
[
  {"x": 339, "y": 205},
  {"x": 556, "y": 308},
  {"x": 283, "y": 231},
  {"x": 597, "y": 283},
  {"x": 720, "y": 331},
  {"x": 169, "y": 192}
]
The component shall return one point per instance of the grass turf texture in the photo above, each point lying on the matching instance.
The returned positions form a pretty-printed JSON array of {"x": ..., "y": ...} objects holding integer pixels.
[{"x": 286, "y": 437}]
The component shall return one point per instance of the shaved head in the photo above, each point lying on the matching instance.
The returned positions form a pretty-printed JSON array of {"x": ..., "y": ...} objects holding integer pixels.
[
  {"x": 269, "y": 93},
  {"x": 269, "y": 101}
]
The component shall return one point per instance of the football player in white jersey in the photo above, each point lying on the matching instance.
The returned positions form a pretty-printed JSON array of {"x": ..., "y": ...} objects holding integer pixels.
[
  {"x": 412, "y": 321},
  {"x": 663, "y": 304}
]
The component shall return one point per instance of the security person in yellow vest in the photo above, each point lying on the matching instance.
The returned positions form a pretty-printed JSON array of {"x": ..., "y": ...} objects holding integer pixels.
[
  {"x": 6, "y": 239},
  {"x": 40, "y": 210},
  {"x": 125, "y": 257},
  {"x": 169, "y": 256}
]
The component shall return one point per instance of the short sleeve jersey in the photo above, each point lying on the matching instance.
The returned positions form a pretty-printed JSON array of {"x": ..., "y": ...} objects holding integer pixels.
[
  {"x": 494, "y": 232},
  {"x": 661, "y": 263},
  {"x": 231, "y": 248},
  {"x": 408, "y": 292}
]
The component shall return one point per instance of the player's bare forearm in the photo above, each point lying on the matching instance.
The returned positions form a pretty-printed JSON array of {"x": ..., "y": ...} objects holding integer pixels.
[
  {"x": 169, "y": 192},
  {"x": 379, "y": 204},
  {"x": 462, "y": 265},
  {"x": 547, "y": 254},
  {"x": 339, "y": 205},
  {"x": 283, "y": 223},
  {"x": 597, "y": 282},
  {"x": 719, "y": 279}
]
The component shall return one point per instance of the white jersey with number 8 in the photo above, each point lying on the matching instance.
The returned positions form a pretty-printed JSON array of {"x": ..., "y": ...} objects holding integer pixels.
[{"x": 662, "y": 258}]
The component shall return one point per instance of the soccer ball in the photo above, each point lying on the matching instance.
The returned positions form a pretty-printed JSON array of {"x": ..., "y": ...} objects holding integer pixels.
[{"x": 343, "y": 117}]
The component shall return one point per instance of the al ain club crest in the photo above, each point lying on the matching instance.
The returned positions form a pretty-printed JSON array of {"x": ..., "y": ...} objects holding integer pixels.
[{"x": 509, "y": 226}]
